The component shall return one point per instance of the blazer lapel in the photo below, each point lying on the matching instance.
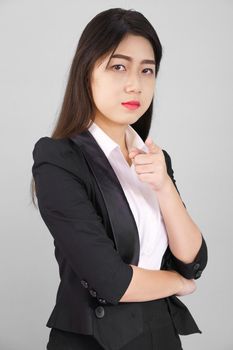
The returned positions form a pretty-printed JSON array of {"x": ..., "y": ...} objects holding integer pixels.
[{"x": 121, "y": 218}]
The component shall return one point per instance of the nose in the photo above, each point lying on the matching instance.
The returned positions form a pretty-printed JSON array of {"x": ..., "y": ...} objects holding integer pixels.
[{"x": 133, "y": 83}]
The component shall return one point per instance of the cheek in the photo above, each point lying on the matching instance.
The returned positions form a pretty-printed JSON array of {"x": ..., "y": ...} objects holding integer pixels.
[
  {"x": 149, "y": 90},
  {"x": 105, "y": 92},
  {"x": 149, "y": 86}
]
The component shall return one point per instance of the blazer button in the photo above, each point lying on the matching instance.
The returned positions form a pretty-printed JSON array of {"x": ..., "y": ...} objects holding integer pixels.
[
  {"x": 102, "y": 301},
  {"x": 92, "y": 292},
  {"x": 99, "y": 311},
  {"x": 196, "y": 267},
  {"x": 84, "y": 283},
  {"x": 198, "y": 274}
]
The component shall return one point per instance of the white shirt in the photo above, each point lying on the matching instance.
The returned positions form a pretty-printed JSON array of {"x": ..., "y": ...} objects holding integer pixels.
[{"x": 141, "y": 198}]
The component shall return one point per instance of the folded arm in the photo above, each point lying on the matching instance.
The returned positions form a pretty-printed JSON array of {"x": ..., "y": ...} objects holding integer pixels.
[{"x": 188, "y": 250}]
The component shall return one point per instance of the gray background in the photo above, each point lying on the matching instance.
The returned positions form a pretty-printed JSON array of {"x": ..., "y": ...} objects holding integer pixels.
[{"x": 192, "y": 121}]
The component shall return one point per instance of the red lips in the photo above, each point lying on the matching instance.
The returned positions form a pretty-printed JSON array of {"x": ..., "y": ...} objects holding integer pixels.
[{"x": 132, "y": 102}]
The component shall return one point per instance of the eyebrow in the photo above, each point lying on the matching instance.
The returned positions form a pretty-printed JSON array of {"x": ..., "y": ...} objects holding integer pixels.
[{"x": 128, "y": 58}]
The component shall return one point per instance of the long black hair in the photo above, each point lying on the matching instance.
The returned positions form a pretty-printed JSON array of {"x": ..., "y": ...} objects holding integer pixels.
[{"x": 100, "y": 37}]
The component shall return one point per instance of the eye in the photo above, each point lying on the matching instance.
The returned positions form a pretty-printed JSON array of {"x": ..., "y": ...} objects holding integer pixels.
[
  {"x": 151, "y": 70},
  {"x": 117, "y": 65},
  {"x": 121, "y": 65}
]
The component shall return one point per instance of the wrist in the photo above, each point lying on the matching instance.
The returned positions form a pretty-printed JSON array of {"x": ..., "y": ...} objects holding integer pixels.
[
  {"x": 167, "y": 186},
  {"x": 179, "y": 280}
]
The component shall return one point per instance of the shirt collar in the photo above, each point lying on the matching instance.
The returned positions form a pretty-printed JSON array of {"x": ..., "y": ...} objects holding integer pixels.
[{"x": 108, "y": 145}]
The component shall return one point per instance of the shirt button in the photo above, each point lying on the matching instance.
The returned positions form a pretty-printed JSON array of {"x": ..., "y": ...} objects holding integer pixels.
[
  {"x": 99, "y": 311},
  {"x": 84, "y": 283}
]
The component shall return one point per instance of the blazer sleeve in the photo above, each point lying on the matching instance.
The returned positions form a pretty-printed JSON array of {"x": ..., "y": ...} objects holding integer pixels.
[
  {"x": 194, "y": 269},
  {"x": 73, "y": 222}
]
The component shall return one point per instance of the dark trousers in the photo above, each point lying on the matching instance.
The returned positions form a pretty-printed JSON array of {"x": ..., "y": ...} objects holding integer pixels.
[{"x": 159, "y": 333}]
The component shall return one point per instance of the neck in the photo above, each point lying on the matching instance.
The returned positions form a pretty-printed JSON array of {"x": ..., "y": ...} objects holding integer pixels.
[{"x": 115, "y": 131}]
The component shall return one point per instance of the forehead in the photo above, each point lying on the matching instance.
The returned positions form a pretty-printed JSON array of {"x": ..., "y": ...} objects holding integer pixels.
[
  {"x": 135, "y": 46},
  {"x": 134, "y": 43}
]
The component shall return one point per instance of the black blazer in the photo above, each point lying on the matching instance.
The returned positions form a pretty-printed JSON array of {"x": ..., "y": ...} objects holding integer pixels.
[{"x": 95, "y": 235}]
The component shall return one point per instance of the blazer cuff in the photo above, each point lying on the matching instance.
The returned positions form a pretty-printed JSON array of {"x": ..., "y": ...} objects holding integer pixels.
[
  {"x": 191, "y": 270},
  {"x": 121, "y": 280}
]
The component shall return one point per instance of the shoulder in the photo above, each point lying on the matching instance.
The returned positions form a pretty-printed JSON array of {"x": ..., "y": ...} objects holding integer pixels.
[
  {"x": 47, "y": 146},
  {"x": 58, "y": 152}
]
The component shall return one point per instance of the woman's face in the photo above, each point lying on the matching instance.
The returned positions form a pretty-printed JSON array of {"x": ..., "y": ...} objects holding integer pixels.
[{"x": 123, "y": 80}]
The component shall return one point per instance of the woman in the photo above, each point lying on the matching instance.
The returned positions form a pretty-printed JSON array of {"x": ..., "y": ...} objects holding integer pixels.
[{"x": 108, "y": 196}]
